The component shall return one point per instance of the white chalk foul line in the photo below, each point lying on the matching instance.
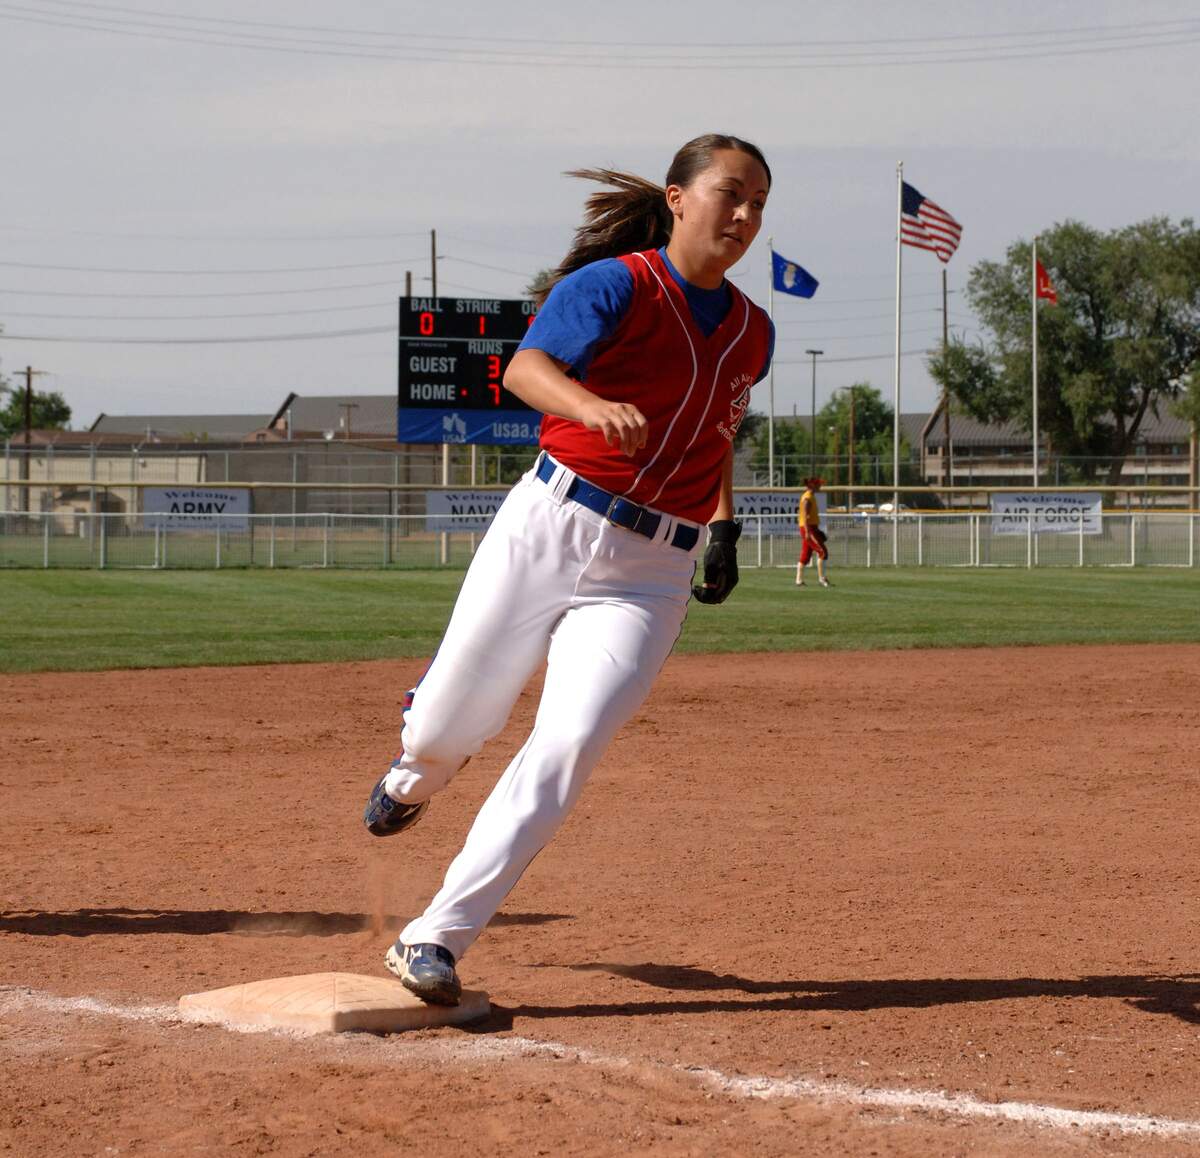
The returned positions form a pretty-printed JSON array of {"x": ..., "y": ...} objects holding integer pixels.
[
  {"x": 950, "y": 1105},
  {"x": 932, "y": 1102}
]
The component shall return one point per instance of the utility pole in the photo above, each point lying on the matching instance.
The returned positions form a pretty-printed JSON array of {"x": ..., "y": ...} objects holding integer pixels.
[
  {"x": 433, "y": 259},
  {"x": 30, "y": 374},
  {"x": 346, "y": 408},
  {"x": 408, "y": 284},
  {"x": 812, "y": 430}
]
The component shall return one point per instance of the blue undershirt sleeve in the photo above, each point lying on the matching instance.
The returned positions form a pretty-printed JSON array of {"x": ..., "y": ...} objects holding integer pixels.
[
  {"x": 770, "y": 355},
  {"x": 582, "y": 310}
]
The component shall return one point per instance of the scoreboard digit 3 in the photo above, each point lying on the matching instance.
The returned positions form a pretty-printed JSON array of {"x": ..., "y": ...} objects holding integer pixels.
[{"x": 452, "y": 356}]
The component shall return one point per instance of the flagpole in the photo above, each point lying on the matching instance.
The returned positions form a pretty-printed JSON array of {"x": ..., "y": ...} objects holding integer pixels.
[
  {"x": 896, "y": 376},
  {"x": 771, "y": 387},
  {"x": 1033, "y": 300}
]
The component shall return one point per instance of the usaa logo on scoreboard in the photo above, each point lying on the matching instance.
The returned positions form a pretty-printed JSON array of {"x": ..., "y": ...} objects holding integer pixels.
[{"x": 454, "y": 429}]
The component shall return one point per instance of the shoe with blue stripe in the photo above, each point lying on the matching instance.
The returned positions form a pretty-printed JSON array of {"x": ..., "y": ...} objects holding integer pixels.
[
  {"x": 384, "y": 816},
  {"x": 427, "y": 971}
]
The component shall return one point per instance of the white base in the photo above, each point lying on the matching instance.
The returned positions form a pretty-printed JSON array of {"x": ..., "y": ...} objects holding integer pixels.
[{"x": 329, "y": 1003}]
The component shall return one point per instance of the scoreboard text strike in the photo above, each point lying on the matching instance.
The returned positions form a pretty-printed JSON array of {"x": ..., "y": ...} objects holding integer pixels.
[{"x": 453, "y": 354}]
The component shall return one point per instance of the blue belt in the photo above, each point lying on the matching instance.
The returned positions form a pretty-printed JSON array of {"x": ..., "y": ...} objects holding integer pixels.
[{"x": 617, "y": 510}]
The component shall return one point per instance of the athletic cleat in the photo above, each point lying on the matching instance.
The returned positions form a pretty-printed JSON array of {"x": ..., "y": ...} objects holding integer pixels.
[
  {"x": 427, "y": 971},
  {"x": 384, "y": 816},
  {"x": 824, "y": 582}
]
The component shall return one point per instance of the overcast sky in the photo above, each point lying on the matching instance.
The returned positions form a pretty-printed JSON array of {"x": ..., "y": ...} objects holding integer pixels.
[{"x": 155, "y": 136}]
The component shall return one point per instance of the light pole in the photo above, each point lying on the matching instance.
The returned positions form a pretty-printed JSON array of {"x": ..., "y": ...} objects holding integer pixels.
[{"x": 812, "y": 428}]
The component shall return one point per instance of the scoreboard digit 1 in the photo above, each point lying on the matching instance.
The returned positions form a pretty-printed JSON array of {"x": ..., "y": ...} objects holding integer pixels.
[{"x": 452, "y": 356}]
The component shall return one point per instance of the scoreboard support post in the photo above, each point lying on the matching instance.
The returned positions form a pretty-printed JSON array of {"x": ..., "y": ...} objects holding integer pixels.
[
  {"x": 450, "y": 383},
  {"x": 444, "y": 553}
]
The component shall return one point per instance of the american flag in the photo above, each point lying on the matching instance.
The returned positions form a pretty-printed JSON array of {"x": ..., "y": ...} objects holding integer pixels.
[{"x": 927, "y": 225}]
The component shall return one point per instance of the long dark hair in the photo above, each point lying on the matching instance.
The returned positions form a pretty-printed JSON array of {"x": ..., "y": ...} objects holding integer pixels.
[{"x": 633, "y": 213}]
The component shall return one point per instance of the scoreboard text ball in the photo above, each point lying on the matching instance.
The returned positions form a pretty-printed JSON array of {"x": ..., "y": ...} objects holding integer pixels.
[{"x": 454, "y": 351}]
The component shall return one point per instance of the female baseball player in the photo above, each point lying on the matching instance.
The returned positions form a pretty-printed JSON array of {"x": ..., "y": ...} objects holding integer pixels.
[
  {"x": 812, "y": 538},
  {"x": 641, "y": 359}
]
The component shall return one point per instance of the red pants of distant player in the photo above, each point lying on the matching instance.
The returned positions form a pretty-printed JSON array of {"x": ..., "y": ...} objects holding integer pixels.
[{"x": 812, "y": 543}]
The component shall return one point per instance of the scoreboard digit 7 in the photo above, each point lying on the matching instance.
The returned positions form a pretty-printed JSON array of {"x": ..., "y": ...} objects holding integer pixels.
[{"x": 452, "y": 356}]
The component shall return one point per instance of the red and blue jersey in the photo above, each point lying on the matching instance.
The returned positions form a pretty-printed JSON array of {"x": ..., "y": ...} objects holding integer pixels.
[{"x": 636, "y": 333}]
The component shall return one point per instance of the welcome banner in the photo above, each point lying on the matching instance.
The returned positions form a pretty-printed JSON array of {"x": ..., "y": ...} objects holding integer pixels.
[{"x": 1051, "y": 514}]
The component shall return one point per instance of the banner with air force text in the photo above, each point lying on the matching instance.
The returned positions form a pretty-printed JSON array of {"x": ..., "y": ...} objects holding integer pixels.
[{"x": 1050, "y": 514}]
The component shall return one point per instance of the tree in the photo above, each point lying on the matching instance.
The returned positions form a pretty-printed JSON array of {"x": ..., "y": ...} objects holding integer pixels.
[
  {"x": 873, "y": 430},
  {"x": 539, "y": 284},
  {"x": 1187, "y": 404},
  {"x": 1125, "y": 331},
  {"x": 753, "y": 424},
  {"x": 49, "y": 410}
]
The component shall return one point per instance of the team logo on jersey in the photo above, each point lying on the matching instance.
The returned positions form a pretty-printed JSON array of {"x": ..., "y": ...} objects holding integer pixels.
[
  {"x": 737, "y": 411},
  {"x": 741, "y": 382}
]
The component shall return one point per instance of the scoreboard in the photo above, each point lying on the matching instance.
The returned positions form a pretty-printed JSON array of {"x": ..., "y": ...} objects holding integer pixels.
[{"x": 452, "y": 356}]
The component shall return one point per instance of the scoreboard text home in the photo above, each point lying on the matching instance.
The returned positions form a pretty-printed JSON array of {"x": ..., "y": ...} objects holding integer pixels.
[{"x": 453, "y": 354}]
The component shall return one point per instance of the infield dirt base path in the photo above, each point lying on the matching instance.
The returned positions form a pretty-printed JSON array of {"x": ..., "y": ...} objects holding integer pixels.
[{"x": 973, "y": 872}]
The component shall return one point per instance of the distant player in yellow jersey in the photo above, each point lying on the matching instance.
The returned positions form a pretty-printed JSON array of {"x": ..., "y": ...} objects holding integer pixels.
[{"x": 812, "y": 538}]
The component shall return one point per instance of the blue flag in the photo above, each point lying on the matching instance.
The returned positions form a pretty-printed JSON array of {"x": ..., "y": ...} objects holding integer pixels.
[{"x": 791, "y": 278}]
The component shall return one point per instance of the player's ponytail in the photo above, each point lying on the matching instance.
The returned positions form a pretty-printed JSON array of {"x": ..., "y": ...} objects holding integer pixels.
[
  {"x": 630, "y": 216},
  {"x": 633, "y": 214}
]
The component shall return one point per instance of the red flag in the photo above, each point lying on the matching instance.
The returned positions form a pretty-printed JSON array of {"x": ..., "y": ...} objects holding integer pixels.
[{"x": 1045, "y": 287}]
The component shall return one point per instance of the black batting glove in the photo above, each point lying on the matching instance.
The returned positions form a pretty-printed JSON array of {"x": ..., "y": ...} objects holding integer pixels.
[{"x": 720, "y": 562}]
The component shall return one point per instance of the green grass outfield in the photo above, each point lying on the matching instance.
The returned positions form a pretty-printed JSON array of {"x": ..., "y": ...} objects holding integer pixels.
[{"x": 90, "y": 620}]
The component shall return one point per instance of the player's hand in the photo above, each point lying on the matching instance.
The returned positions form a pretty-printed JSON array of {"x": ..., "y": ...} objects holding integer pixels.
[
  {"x": 621, "y": 423},
  {"x": 720, "y": 562}
]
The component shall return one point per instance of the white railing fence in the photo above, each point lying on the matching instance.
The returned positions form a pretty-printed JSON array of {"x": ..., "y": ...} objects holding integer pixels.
[{"x": 119, "y": 540}]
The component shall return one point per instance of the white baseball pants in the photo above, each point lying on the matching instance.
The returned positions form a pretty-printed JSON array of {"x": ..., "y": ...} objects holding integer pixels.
[{"x": 551, "y": 582}]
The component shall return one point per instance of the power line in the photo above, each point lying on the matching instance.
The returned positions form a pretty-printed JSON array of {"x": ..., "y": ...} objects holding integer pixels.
[
  {"x": 855, "y": 337},
  {"x": 209, "y": 238},
  {"x": 481, "y": 265},
  {"x": 91, "y": 5},
  {"x": 497, "y": 245},
  {"x": 1180, "y": 33},
  {"x": 213, "y": 294},
  {"x": 459, "y": 285},
  {"x": 211, "y": 272},
  {"x": 954, "y": 317},
  {"x": 198, "y": 317},
  {"x": 22, "y": 292},
  {"x": 851, "y": 318},
  {"x": 312, "y": 337},
  {"x": 853, "y": 358}
]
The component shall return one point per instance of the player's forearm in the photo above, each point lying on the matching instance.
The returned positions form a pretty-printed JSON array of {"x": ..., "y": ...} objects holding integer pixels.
[{"x": 537, "y": 379}]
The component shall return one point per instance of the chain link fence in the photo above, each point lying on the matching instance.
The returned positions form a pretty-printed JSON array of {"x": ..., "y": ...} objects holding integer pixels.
[
  {"x": 317, "y": 477},
  {"x": 331, "y": 540},
  {"x": 312, "y": 478}
]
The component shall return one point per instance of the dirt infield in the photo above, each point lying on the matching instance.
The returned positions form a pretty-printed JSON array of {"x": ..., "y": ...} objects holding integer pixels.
[{"x": 893, "y": 903}]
